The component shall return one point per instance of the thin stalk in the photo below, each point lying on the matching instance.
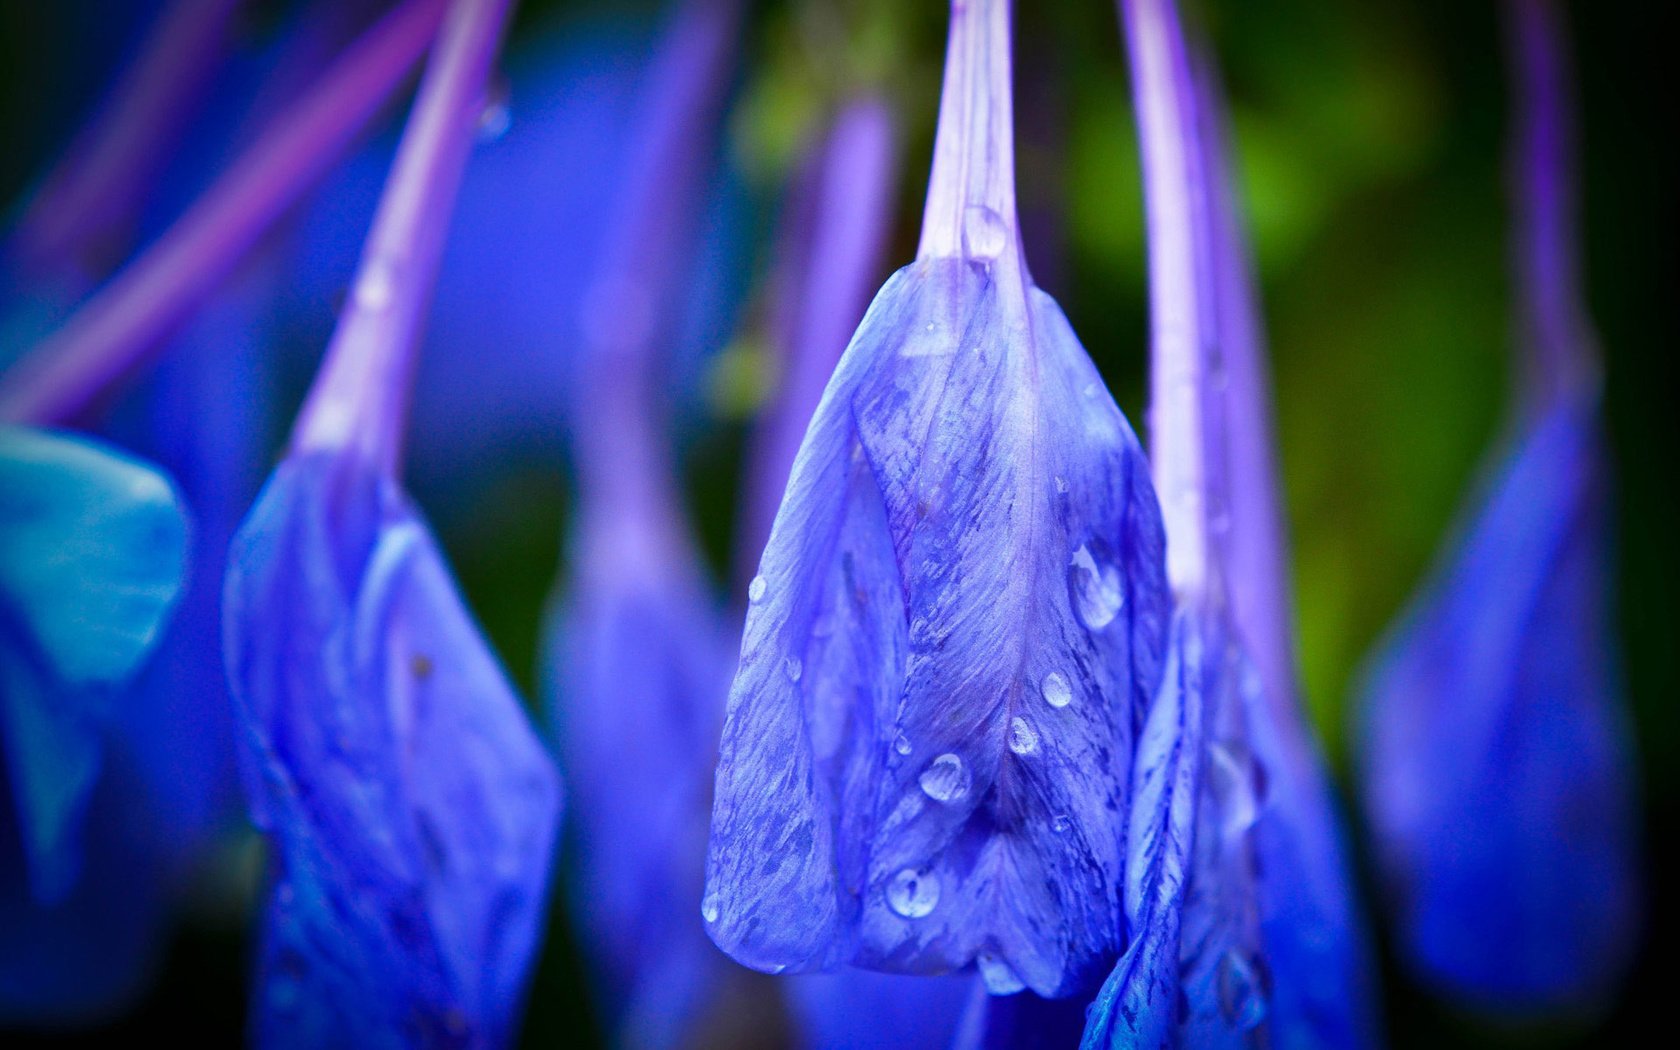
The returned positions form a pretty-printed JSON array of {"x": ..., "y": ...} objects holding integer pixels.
[
  {"x": 98, "y": 185},
  {"x": 1188, "y": 448},
  {"x": 624, "y": 462},
  {"x": 1554, "y": 333},
  {"x": 360, "y": 396},
  {"x": 970, "y": 210},
  {"x": 115, "y": 332}
]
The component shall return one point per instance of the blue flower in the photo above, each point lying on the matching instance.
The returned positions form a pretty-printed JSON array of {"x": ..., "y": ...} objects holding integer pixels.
[
  {"x": 956, "y": 621},
  {"x": 1497, "y": 765},
  {"x": 92, "y": 558},
  {"x": 411, "y": 809},
  {"x": 1498, "y": 769}
]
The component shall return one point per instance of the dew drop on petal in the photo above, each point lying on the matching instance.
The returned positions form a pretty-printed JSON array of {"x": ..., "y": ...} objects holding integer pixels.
[
  {"x": 902, "y": 744},
  {"x": 1023, "y": 738},
  {"x": 1242, "y": 991},
  {"x": 999, "y": 977},
  {"x": 1095, "y": 587},
  {"x": 709, "y": 908},
  {"x": 756, "y": 589},
  {"x": 793, "y": 667},
  {"x": 1233, "y": 777},
  {"x": 1061, "y": 824},
  {"x": 945, "y": 779},
  {"x": 913, "y": 893},
  {"x": 1057, "y": 692}
]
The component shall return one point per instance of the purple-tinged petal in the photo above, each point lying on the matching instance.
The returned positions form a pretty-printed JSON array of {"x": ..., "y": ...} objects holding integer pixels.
[
  {"x": 955, "y": 621},
  {"x": 1141, "y": 1004},
  {"x": 1496, "y": 760},
  {"x": 1194, "y": 973},
  {"x": 411, "y": 807}
]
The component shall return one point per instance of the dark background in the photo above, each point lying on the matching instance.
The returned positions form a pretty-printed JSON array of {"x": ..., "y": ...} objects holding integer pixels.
[{"x": 1371, "y": 139}]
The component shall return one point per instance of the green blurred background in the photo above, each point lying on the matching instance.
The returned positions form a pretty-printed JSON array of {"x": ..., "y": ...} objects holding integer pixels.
[{"x": 1372, "y": 145}]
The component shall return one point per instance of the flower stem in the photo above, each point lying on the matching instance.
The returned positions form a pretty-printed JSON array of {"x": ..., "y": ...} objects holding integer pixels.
[
  {"x": 624, "y": 463},
  {"x": 970, "y": 210},
  {"x": 96, "y": 188},
  {"x": 1188, "y": 448},
  {"x": 126, "y": 321},
  {"x": 1552, "y": 326},
  {"x": 360, "y": 397}
]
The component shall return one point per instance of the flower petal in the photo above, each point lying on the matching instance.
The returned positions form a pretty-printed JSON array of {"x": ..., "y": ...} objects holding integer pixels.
[
  {"x": 956, "y": 623},
  {"x": 1498, "y": 788},
  {"x": 92, "y": 558},
  {"x": 411, "y": 808}
]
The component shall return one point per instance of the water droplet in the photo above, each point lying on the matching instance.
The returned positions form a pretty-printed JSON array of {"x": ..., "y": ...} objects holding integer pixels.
[
  {"x": 985, "y": 235},
  {"x": 1233, "y": 779},
  {"x": 793, "y": 667},
  {"x": 1057, "y": 692},
  {"x": 912, "y": 893},
  {"x": 756, "y": 589},
  {"x": 1061, "y": 483},
  {"x": 709, "y": 907},
  {"x": 1023, "y": 738},
  {"x": 1061, "y": 824},
  {"x": 376, "y": 286},
  {"x": 1242, "y": 990},
  {"x": 1090, "y": 390},
  {"x": 1095, "y": 586},
  {"x": 902, "y": 744},
  {"x": 930, "y": 326},
  {"x": 945, "y": 779},
  {"x": 999, "y": 978}
]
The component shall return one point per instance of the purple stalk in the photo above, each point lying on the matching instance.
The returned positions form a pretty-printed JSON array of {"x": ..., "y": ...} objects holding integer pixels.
[
  {"x": 1255, "y": 549},
  {"x": 1551, "y": 322},
  {"x": 830, "y": 269},
  {"x": 1187, "y": 425},
  {"x": 622, "y": 452},
  {"x": 99, "y": 183},
  {"x": 970, "y": 209},
  {"x": 113, "y": 334},
  {"x": 360, "y": 397}
]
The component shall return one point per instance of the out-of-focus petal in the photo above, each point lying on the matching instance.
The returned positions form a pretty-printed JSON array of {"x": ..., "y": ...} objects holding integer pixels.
[
  {"x": 411, "y": 807},
  {"x": 92, "y": 557},
  {"x": 1496, "y": 758}
]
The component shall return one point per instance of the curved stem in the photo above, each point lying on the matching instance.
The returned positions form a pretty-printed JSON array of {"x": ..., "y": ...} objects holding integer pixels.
[
  {"x": 360, "y": 397},
  {"x": 114, "y": 333}
]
